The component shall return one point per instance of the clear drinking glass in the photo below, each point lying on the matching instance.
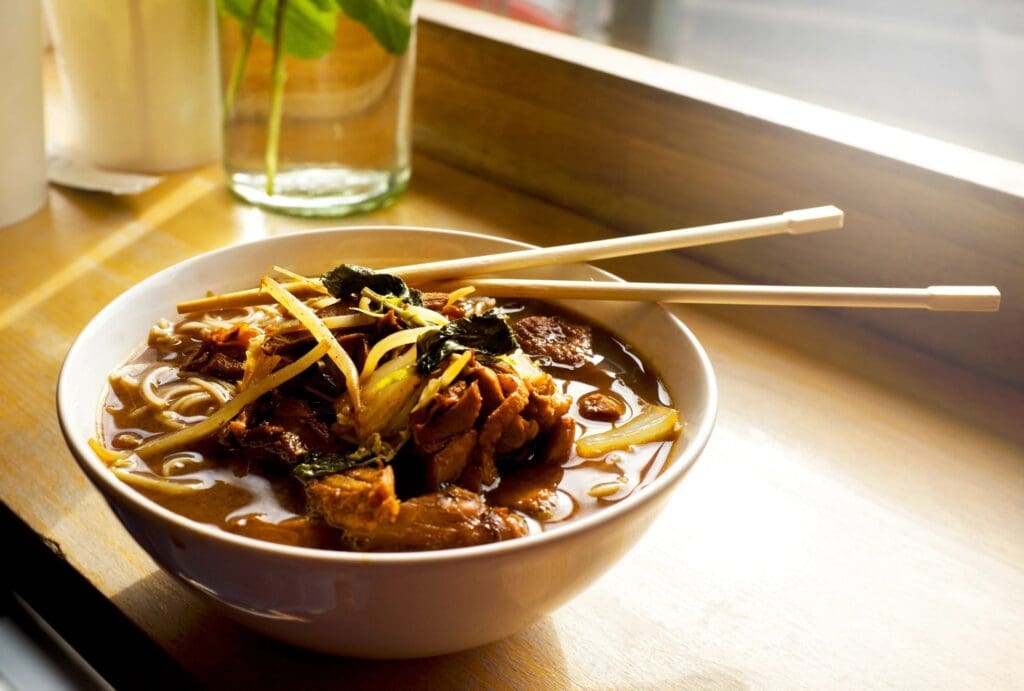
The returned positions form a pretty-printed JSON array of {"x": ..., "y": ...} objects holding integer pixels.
[{"x": 345, "y": 139}]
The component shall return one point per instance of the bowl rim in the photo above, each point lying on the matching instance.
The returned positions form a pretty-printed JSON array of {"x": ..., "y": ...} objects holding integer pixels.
[{"x": 99, "y": 473}]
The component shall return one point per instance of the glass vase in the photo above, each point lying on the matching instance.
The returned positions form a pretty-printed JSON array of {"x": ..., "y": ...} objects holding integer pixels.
[{"x": 344, "y": 140}]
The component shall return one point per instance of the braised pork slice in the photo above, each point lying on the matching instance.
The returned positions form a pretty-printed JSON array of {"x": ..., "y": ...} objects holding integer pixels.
[
  {"x": 444, "y": 433},
  {"x": 547, "y": 404},
  {"x": 279, "y": 426},
  {"x": 294, "y": 344},
  {"x": 454, "y": 411},
  {"x": 554, "y": 338},
  {"x": 491, "y": 414},
  {"x": 361, "y": 503},
  {"x": 223, "y": 361},
  {"x": 360, "y": 498},
  {"x": 560, "y": 439},
  {"x": 483, "y": 469}
]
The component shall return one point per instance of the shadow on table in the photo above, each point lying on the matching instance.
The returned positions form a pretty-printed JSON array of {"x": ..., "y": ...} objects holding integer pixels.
[{"x": 221, "y": 653}]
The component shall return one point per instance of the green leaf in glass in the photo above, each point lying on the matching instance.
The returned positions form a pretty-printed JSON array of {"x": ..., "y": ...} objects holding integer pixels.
[
  {"x": 309, "y": 24},
  {"x": 390, "y": 21}
]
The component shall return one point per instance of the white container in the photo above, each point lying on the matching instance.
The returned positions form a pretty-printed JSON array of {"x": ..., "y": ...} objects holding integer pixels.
[
  {"x": 141, "y": 77},
  {"x": 22, "y": 153}
]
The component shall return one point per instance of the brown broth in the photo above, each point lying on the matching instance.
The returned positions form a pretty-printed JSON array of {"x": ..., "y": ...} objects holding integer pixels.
[{"x": 249, "y": 499}]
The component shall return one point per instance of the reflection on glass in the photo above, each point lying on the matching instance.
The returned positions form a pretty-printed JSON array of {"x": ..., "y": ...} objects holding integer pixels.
[{"x": 950, "y": 69}]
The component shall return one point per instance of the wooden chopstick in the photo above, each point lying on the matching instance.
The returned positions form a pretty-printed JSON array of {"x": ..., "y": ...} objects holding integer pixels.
[
  {"x": 940, "y": 298},
  {"x": 798, "y": 221}
]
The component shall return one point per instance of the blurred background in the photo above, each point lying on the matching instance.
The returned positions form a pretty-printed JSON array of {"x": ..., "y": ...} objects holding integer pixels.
[{"x": 949, "y": 69}]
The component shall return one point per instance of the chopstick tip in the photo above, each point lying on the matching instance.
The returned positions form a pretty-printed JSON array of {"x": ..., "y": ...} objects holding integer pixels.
[
  {"x": 814, "y": 219},
  {"x": 964, "y": 298}
]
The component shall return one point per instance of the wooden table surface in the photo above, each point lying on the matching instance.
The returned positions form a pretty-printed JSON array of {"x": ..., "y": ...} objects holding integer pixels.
[{"x": 857, "y": 519}]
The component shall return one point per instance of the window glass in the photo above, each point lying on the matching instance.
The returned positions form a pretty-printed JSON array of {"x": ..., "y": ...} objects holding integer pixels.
[{"x": 949, "y": 69}]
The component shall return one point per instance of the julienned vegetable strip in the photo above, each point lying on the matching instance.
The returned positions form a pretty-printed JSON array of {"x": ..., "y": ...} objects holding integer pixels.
[
  {"x": 277, "y": 80},
  {"x": 458, "y": 294},
  {"x": 389, "y": 343},
  {"x": 154, "y": 483},
  {"x": 313, "y": 284},
  {"x": 106, "y": 455},
  {"x": 341, "y": 321},
  {"x": 238, "y": 70},
  {"x": 245, "y": 298},
  {"x": 205, "y": 428},
  {"x": 446, "y": 378},
  {"x": 654, "y": 423},
  {"x": 322, "y": 334}
]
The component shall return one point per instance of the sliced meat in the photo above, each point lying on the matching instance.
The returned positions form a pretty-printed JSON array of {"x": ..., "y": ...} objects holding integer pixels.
[
  {"x": 360, "y": 499},
  {"x": 290, "y": 344},
  {"x": 336, "y": 309},
  {"x": 511, "y": 421},
  {"x": 362, "y": 503},
  {"x": 274, "y": 440},
  {"x": 454, "y": 411},
  {"x": 448, "y": 464},
  {"x": 483, "y": 469},
  {"x": 443, "y": 520},
  {"x": 554, "y": 338},
  {"x": 444, "y": 434},
  {"x": 547, "y": 404},
  {"x": 281, "y": 426},
  {"x": 294, "y": 344},
  {"x": 387, "y": 325},
  {"x": 215, "y": 360},
  {"x": 558, "y": 445},
  {"x": 460, "y": 415},
  {"x": 490, "y": 387},
  {"x": 601, "y": 406},
  {"x": 516, "y": 435}
]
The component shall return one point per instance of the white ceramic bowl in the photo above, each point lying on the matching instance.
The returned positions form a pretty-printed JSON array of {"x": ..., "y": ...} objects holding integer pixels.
[{"x": 377, "y": 605}]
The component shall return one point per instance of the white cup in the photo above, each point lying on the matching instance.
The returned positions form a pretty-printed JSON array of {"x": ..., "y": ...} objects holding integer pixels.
[
  {"x": 22, "y": 151},
  {"x": 142, "y": 81}
]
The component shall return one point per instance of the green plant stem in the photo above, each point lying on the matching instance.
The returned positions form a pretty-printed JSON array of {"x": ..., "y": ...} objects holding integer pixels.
[
  {"x": 277, "y": 95},
  {"x": 241, "y": 60}
]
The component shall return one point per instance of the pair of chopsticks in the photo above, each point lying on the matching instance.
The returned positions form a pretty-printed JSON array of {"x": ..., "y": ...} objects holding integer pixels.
[
  {"x": 949, "y": 298},
  {"x": 453, "y": 273}
]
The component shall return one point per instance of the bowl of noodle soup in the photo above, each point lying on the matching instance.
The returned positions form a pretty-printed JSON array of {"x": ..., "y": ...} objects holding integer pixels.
[{"x": 381, "y": 604}]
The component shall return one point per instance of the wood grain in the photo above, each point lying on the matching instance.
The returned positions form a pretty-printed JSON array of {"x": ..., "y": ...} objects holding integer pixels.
[
  {"x": 855, "y": 521},
  {"x": 837, "y": 532}
]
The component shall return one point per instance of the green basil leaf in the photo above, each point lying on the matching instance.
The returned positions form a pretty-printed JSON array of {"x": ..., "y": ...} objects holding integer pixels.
[
  {"x": 487, "y": 334},
  {"x": 390, "y": 21},
  {"x": 346, "y": 280},
  {"x": 308, "y": 24}
]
